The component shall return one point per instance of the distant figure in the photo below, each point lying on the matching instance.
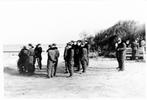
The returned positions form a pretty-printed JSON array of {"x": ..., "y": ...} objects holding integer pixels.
[
  {"x": 143, "y": 47},
  {"x": 70, "y": 59},
  {"x": 134, "y": 47},
  {"x": 23, "y": 56},
  {"x": 53, "y": 54},
  {"x": 38, "y": 51},
  {"x": 120, "y": 54}
]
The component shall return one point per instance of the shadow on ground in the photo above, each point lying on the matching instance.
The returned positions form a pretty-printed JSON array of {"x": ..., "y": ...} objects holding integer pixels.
[{"x": 37, "y": 74}]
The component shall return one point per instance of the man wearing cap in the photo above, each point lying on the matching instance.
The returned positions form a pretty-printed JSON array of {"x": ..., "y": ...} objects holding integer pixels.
[
  {"x": 120, "y": 54},
  {"x": 52, "y": 60},
  {"x": 57, "y": 56},
  {"x": 84, "y": 57},
  {"x": 70, "y": 59},
  {"x": 65, "y": 57},
  {"x": 23, "y": 56},
  {"x": 30, "y": 61},
  {"x": 76, "y": 55},
  {"x": 38, "y": 51}
]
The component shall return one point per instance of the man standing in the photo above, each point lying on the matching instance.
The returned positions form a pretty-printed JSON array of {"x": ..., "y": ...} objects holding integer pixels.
[
  {"x": 38, "y": 51},
  {"x": 23, "y": 56},
  {"x": 65, "y": 57},
  {"x": 134, "y": 47},
  {"x": 76, "y": 55},
  {"x": 84, "y": 57},
  {"x": 120, "y": 54},
  {"x": 57, "y": 56},
  {"x": 30, "y": 65},
  {"x": 88, "y": 50},
  {"x": 70, "y": 59},
  {"x": 51, "y": 61}
]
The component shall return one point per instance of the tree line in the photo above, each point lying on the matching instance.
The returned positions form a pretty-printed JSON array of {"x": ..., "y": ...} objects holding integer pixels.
[{"x": 104, "y": 41}]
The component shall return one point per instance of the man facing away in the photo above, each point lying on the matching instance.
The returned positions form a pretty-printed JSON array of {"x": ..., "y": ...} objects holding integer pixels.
[
  {"x": 120, "y": 54},
  {"x": 52, "y": 61}
]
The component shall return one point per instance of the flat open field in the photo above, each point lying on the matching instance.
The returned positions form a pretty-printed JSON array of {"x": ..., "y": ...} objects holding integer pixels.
[{"x": 101, "y": 80}]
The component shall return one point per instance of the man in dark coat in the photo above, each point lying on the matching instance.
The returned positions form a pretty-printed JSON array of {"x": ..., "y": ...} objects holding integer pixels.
[
  {"x": 51, "y": 61},
  {"x": 23, "y": 56},
  {"x": 38, "y": 51},
  {"x": 30, "y": 61},
  {"x": 134, "y": 47},
  {"x": 70, "y": 59},
  {"x": 76, "y": 55},
  {"x": 65, "y": 57},
  {"x": 120, "y": 54}
]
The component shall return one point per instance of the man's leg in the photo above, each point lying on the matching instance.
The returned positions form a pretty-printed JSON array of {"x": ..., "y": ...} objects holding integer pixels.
[
  {"x": 66, "y": 67},
  {"x": 52, "y": 69},
  {"x": 70, "y": 69},
  {"x": 55, "y": 67},
  {"x": 39, "y": 63},
  {"x": 49, "y": 69}
]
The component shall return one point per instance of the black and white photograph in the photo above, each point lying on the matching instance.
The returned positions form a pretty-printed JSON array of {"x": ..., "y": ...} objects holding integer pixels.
[{"x": 73, "y": 49}]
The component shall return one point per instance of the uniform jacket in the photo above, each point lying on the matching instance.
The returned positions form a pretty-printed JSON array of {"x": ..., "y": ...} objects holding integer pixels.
[
  {"x": 121, "y": 47},
  {"x": 65, "y": 53},
  {"x": 70, "y": 54},
  {"x": 53, "y": 54},
  {"x": 38, "y": 51}
]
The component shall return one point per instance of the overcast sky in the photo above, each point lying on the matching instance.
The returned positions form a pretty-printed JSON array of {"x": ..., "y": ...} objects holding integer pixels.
[{"x": 56, "y": 21}]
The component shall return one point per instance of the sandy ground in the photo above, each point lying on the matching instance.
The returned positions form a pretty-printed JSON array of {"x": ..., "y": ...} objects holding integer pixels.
[{"x": 101, "y": 80}]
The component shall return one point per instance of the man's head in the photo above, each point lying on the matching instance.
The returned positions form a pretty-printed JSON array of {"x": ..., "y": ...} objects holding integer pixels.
[
  {"x": 53, "y": 45},
  {"x": 30, "y": 46}
]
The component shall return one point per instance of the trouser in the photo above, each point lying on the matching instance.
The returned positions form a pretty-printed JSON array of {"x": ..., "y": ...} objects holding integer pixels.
[
  {"x": 121, "y": 59},
  {"x": 87, "y": 60},
  {"x": 66, "y": 66},
  {"x": 50, "y": 68},
  {"x": 77, "y": 63},
  {"x": 84, "y": 64},
  {"x": 70, "y": 65},
  {"x": 39, "y": 59},
  {"x": 55, "y": 67}
]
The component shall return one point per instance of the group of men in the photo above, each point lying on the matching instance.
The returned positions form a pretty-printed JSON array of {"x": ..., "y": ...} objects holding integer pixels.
[
  {"x": 27, "y": 58},
  {"x": 29, "y": 55},
  {"x": 76, "y": 56}
]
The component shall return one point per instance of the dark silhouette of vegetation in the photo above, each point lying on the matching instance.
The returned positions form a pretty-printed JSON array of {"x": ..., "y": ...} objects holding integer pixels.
[{"x": 104, "y": 41}]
